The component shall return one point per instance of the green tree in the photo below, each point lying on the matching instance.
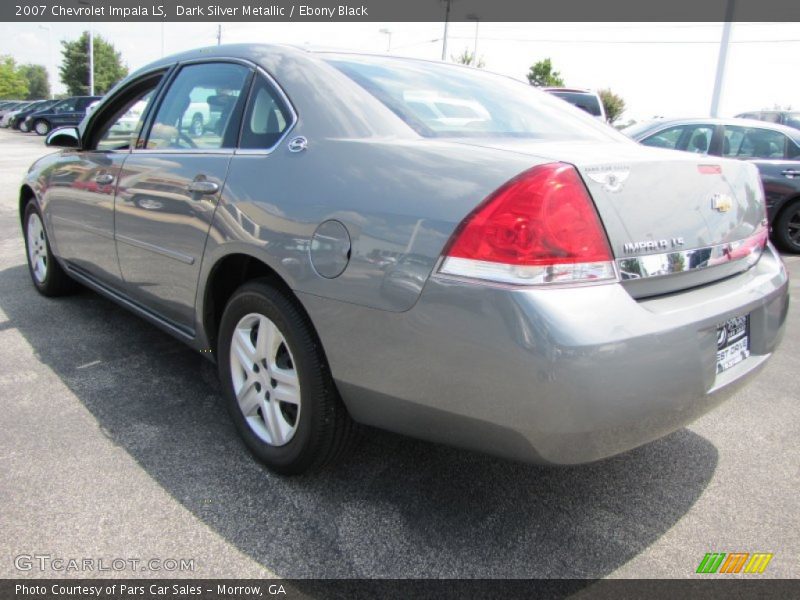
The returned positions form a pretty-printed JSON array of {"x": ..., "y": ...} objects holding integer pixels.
[
  {"x": 74, "y": 71},
  {"x": 38, "y": 81},
  {"x": 541, "y": 74},
  {"x": 13, "y": 85},
  {"x": 613, "y": 104},
  {"x": 468, "y": 58}
]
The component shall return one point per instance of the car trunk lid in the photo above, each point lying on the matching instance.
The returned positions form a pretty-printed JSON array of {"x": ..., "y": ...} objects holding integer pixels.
[{"x": 674, "y": 220}]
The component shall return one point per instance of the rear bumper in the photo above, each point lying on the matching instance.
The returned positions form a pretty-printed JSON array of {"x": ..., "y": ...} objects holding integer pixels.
[{"x": 558, "y": 376}]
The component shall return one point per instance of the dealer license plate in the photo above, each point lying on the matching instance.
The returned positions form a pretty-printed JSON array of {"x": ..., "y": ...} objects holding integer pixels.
[{"x": 733, "y": 342}]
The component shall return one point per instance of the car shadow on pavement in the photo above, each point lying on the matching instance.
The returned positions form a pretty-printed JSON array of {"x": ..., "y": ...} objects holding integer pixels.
[{"x": 396, "y": 507}]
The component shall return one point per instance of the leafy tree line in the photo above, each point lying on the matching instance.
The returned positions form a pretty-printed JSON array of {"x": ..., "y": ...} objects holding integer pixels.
[
  {"x": 31, "y": 82},
  {"x": 22, "y": 82}
]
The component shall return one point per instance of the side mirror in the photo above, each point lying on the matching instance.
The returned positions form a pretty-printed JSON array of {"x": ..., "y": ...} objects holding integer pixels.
[{"x": 66, "y": 137}]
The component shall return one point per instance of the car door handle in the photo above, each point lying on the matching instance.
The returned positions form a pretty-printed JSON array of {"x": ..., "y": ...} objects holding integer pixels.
[
  {"x": 104, "y": 179},
  {"x": 203, "y": 187},
  {"x": 791, "y": 173}
]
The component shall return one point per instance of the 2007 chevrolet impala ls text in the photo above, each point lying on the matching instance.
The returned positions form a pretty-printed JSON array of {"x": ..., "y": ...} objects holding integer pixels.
[{"x": 422, "y": 247}]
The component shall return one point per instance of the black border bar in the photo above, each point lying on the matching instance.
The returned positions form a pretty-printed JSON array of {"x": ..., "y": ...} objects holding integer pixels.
[
  {"x": 705, "y": 587},
  {"x": 398, "y": 10}
]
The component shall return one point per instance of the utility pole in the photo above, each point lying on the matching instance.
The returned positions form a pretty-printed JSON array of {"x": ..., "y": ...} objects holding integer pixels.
[
  {"x": 387, "y": 32},
  {"x": 474, "y": 17},
  {"x": 446, "y": 23},
  {"x": 50, "y": 61},
  {"x": 91, "y": 60},
  {"x": 219, "y": 34},
  {"x": 719, "y": 80},
  {"x": 91, "y": 49}
]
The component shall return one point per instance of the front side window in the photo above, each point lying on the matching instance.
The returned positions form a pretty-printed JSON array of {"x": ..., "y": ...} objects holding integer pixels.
[
  {"x": 447, "y": 101},
  {"x": 124, "y": 128},
  {"x": 200, "y": 108},
  {"x": 753, "y": 142},
  {"x": 266, "y": 119}
]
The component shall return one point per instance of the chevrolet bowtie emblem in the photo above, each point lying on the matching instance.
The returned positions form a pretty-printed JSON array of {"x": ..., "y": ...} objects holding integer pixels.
[{"x": 721, "y": 202}]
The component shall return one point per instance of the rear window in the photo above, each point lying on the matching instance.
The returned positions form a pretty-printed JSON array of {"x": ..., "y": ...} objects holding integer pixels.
[
  {"x": 439, "y": 100},
  {"x": 587, "y": 102}
]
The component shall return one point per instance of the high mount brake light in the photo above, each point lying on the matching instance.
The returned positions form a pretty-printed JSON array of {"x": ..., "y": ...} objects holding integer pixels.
[{"x": 539, "y": 228}]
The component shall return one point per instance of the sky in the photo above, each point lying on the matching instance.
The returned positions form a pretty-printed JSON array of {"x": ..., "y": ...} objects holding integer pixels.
[{"x": 659, "y": 69}]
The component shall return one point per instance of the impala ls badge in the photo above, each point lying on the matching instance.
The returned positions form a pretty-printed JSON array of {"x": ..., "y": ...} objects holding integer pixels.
[
  {"x": 721, "y": 202},
  {"x": 612, "y": 177}
]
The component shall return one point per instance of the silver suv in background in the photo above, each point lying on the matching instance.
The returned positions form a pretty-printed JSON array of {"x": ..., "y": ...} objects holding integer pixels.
[
  {"x": 584, "y": 99},
  {"x": 790, "y": 118}
]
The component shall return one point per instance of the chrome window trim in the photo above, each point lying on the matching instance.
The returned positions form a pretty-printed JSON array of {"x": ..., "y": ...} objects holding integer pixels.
[
  {"x": 647, "y": 266},
  {"x": 192, "y": 151},
  {"x": 266, "y": 151}
]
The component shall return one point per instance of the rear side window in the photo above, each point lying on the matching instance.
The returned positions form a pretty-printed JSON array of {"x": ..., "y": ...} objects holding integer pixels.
[
  {"x": 689, "y": 138},
  {"x": 667, "y": 138},
  {"x": 266, "y": 117},
  {"x": 201, "y": 108}
]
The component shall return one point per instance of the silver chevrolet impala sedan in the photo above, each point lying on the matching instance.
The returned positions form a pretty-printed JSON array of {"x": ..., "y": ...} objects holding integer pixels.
[{"x": 426, "y": 248}]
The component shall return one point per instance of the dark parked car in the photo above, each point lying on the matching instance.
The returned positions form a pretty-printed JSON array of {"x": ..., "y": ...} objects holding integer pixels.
[
  {"x": 18, "y": 122},
  {"x": 790, "y": 118},
  {"x": 523, "y": 279},
  {"x": 774, "y": 149},
  {"x": 586, "y": 100},
  {"x": 69, "y": 111},
  {"x": 12, "y": 106}
]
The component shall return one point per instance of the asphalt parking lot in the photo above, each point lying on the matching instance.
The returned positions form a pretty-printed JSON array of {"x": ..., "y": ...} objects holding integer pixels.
[{"x": 113, "y": 444}]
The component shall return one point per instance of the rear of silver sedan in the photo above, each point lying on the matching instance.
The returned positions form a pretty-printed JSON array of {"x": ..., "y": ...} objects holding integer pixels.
[
  {"x": 548, "y": 332},
  {"x": 559, "y": 375}
]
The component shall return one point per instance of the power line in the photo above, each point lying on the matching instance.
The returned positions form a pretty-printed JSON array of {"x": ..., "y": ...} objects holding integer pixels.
[{"x": 552, "y": 41}]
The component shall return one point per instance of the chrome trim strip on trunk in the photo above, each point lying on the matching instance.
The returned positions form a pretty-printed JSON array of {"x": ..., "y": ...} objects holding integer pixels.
[{"x": 669, "y": 263}]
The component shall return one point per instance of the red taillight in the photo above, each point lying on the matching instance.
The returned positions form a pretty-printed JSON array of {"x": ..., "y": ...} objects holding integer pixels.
[{"x": 540, "y": 227}]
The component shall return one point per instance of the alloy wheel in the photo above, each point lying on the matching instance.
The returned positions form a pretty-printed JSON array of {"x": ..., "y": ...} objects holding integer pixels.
[
  {"x": 37, "y": 248},
  {"x": 265, "y": 380}
]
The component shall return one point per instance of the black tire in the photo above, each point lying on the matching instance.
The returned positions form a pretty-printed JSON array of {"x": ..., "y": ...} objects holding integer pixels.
[
  {"x": 786, "y": 228},
  {"x": 324, "y": 429},
  {"x": 23, "y": 127},
  {"x": 56, "y": 282},
  {"x": 42, "y": 127}
]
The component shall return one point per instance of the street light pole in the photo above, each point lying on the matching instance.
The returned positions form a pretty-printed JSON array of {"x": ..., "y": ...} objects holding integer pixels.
[
  {"x": 722, "y": 61},
  {"x": 446, "y": 23},
  {"x": 474, "y": 17},
  {"x": 50, "y": 61},
  {"x": 387, "y": 32},
  {"x": 91, "y": 60},
  {"x": 91, "y": 49}
]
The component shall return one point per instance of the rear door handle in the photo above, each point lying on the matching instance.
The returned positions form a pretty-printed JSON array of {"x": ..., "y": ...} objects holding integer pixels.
[
  {"x": 104, "y": 178},
  {"x": 791, "y": 173},
  {"x": 203, "y": 187}
]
